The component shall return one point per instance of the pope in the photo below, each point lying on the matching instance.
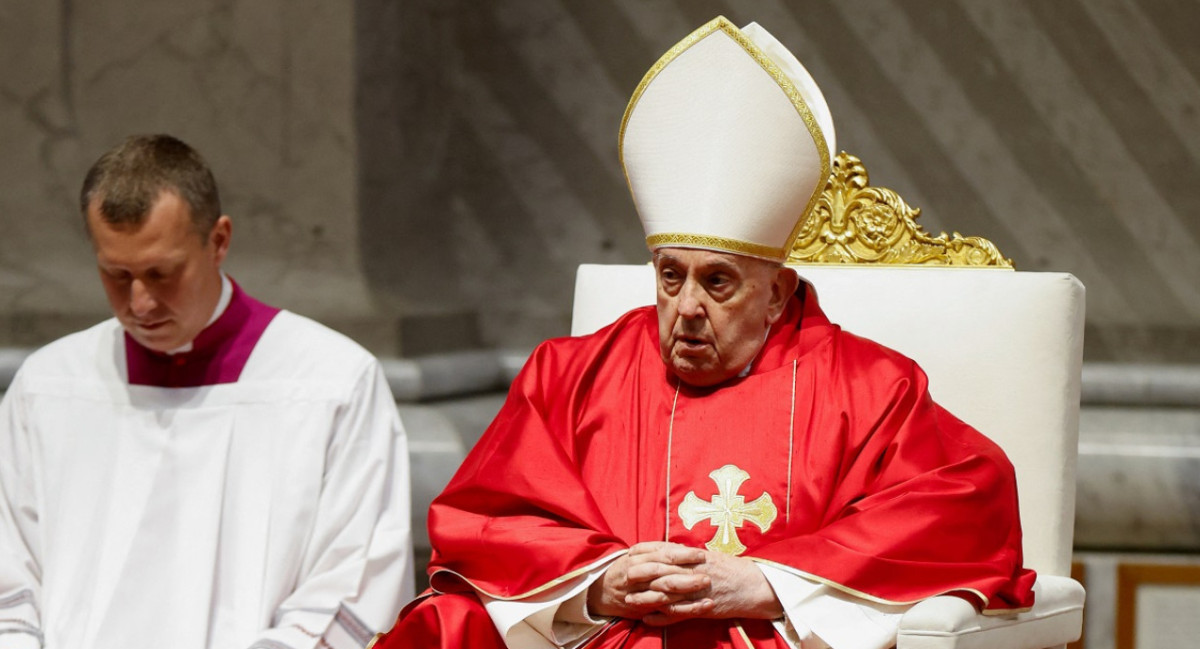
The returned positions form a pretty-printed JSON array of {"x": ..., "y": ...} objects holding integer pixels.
[{"x": 726, "y": 468}]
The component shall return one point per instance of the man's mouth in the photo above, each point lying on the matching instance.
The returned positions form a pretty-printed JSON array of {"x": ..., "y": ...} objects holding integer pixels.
[
  {"x": 691, "y": 343},
  {"x": 151, "y": 326}
]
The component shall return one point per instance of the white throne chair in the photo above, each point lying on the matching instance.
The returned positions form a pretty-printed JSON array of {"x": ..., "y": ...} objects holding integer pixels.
[{"x": 1003, "y": 351}]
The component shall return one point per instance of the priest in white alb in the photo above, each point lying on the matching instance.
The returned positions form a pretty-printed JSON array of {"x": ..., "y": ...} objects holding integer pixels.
[{"x": 202, "y": 471}]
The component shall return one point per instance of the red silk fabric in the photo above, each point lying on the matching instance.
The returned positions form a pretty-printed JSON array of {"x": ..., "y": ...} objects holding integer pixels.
[
  {"x": 458, "y": 620},
  {"x": 877, "y": 489}
]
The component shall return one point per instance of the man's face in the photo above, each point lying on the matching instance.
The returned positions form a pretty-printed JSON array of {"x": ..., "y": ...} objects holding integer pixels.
[
  {"x": 162, "y": 278},
  {"x": 714, "y": 311}
]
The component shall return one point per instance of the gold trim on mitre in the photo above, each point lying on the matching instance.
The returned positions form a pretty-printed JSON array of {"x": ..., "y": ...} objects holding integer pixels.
[
  {"x": 682, "y": 240},
  {"x": 855, "y": 223},
  {"x": 794, "y": 96}
]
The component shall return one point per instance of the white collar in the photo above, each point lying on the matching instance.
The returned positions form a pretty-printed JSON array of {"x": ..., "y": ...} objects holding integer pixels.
[{"x": 222, "y": 304}]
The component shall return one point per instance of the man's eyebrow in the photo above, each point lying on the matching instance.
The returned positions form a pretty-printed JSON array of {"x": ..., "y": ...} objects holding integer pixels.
[{"x": 719, "y": 263}]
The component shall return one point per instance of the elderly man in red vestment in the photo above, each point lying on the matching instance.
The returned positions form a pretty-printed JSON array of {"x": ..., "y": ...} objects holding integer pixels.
[{"x": 728, "y": 468}]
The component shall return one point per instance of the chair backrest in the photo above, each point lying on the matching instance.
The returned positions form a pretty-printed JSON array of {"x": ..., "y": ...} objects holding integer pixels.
[{"x": 1003, "y": 349}]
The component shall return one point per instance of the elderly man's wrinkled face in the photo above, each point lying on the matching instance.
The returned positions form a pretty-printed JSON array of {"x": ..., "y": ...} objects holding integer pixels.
[{"x": 714, "y": 310}]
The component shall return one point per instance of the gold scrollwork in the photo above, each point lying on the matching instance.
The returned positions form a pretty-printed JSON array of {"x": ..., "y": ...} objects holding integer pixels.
[{"x": 854, "y": 223}]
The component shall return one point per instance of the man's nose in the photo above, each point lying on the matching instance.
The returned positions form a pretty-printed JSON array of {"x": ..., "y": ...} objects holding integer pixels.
[
  {"x": 141, "y": 302},
  {"x": 691, "y": 300}
]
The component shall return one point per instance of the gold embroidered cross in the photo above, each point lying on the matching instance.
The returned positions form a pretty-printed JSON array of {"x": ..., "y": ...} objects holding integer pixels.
[{"x": 728, "y": 511}]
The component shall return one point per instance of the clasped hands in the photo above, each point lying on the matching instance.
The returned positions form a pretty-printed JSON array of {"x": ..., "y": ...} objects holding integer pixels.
[{"x": 662, "y": 583}]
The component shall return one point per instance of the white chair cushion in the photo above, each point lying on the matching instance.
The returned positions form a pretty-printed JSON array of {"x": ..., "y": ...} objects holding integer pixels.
[{"x": 952, "y": 623}]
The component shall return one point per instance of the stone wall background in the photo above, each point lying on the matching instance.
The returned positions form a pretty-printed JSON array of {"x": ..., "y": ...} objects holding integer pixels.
[
  {"x": 426, "y": 174},
  {"x": 264, "y": 89}
]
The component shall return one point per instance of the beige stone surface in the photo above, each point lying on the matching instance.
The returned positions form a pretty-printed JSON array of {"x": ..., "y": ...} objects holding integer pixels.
[{"x": 265, "y": 91}]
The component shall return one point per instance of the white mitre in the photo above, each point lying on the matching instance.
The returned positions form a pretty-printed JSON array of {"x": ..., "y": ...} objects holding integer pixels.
[{"x": 726, "y": 144}]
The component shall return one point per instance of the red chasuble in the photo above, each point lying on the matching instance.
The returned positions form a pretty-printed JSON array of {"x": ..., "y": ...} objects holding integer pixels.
[{"x": 828, "y": 459}]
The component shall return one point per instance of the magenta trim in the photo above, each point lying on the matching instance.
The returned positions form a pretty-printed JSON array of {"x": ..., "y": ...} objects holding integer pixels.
[{"x": 218, "y": 354}]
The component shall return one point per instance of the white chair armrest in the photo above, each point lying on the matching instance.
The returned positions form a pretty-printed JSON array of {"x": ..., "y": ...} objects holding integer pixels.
[{"x": 952, "y": 623}]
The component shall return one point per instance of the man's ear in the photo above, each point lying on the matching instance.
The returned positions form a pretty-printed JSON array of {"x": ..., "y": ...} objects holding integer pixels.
[
  {"x": 783, "y": 287},
  {"x": 220, "y": 236}
]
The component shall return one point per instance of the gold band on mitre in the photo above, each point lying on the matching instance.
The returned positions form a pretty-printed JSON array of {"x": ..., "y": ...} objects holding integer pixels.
[
  {"x": 683, "y": 240},
  {"x": 726, "y": 144}
]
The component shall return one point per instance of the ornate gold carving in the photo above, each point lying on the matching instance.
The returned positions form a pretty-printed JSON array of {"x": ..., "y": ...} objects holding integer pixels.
[
  {"x": 728, "y": 511},
  {"x": 854, "y": 223}
]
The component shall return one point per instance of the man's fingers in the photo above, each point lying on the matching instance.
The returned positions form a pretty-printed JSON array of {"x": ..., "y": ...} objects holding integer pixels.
[
  {"x": 664, "y": 552},
  {"x": 658, "y": 619},
  {"x": 646, "y": 547},
  {"x": 648, "y": 599},
  {"x": 681, "y": 555},
  {"x": 679, "y": 611},
  {"x": 667, "y": 582},
  {"x": 651, "y": 570},
  {"x": 702, "y": 607},
  {"x": 669, "y": 589},
  {"x": 682, "y": 583}
]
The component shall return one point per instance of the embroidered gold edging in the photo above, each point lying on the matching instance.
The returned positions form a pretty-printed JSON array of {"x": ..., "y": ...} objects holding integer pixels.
[
  {"x": 831, "y": 584},
  {"x": 670, "y": 55},
  {"x": 553, "y": 583},
  {"x": 795, "y": 263},
  {"x": 857, "y": 593},
  {"x": 791, "y": 441},
  {"x": 844, "y": 589},
  {"x": 670, "y": 441},
  {"x": 665, "y": 239},
  {"x": 743, "y": 634},
  {"x": 810, "y": 121}
]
